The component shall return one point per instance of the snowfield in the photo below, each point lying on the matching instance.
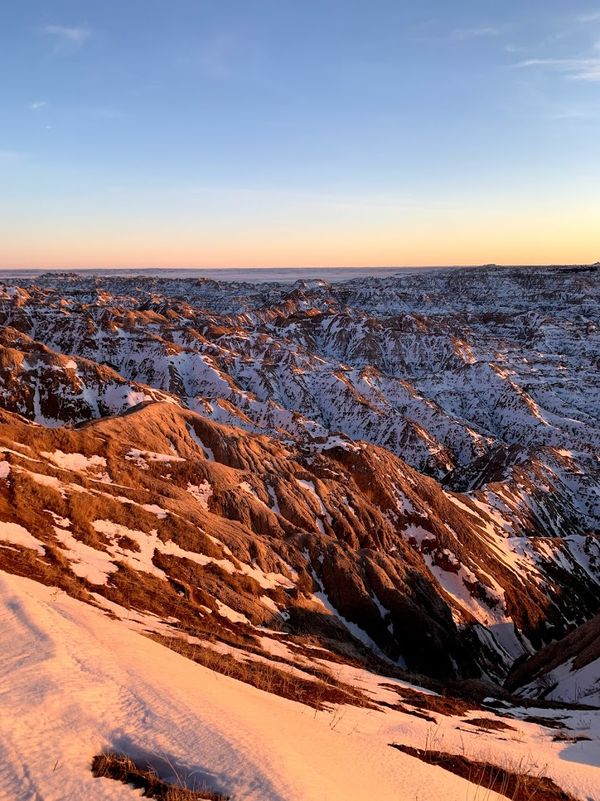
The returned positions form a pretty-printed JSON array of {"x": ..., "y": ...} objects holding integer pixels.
[{"x": 73, "y": 682}]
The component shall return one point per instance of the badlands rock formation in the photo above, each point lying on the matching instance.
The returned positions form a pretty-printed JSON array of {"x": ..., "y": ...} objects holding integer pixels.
[{"x": 403, "y": 471}]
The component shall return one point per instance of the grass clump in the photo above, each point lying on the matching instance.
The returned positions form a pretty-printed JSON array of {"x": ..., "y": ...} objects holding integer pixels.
[
  {"x": 123, "y": 769},
  {"x": 512, "y": 781}
]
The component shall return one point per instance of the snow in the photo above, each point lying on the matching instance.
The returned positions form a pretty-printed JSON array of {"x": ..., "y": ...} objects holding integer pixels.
[
  {"x": 269, "y": 603},
  {"x": 244, "y": 485},
  {"x": 433, "y": 397},
  {"x": 154, "y": 509},
  {"x": 63, "y": 522},
  {"x": 18, "y": 535},
  {"x": 48, "y": 481},
  {"x": 74, "y": 461},
  {"x": 273, "y": 495},
  {"x": 104, "y": 686},
  {"x": 143, "y": 622},
  {"x": 201, "y": 492},
  {"x": 335, "y": 441},
  {"x": 86, "y": 562},
  {"x": 147, "y": 543},
  {"x": 268, "y": 581},
  {"x": 457, "y": 502},
  {"x": 418, "y": 534},
  {"x": 231, "y": 614},
  {"x": 569, "y": 684},
  {"x": 204, "y": 448},
  {"x": 4, "y": 449},
  {"x": 96, "y": 562},
  {"x": 134, "y": 454},
  {"x": 310, "y": 487},
  {"x": 353, "y": 628},
  {"x": 455, "y": 584}
]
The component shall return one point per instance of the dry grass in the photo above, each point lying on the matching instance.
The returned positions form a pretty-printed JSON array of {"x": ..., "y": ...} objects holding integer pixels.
[
  {"x": 566, "y": 737},
  {"x": 490, "y": 724},
  {"x": 514, "y": 781},
  {"x": 264, "y": 676},
  {"x": 123, "y": 769},
  {"x": 548, "y": 723},
  {"x": 440, "y": 704},
  {"x": 51, "y": 569}
]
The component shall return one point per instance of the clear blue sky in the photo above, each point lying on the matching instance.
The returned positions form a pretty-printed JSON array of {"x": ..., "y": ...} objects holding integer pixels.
[{"x": 289, "y": 132}]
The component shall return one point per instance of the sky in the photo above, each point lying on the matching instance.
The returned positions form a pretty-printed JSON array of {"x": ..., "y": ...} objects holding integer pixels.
[{"x": 205, "y": 133}]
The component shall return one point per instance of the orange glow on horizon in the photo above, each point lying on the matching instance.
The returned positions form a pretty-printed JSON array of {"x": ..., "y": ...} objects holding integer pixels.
[{"x": 422, "y": 240}]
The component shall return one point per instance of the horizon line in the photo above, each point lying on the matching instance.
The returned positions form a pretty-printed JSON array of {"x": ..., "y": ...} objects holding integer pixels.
[{"x": 311, "y": 268}]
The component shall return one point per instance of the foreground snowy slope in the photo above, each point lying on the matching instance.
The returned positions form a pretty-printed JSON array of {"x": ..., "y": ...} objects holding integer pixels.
[{"x": 101, "y": 686}]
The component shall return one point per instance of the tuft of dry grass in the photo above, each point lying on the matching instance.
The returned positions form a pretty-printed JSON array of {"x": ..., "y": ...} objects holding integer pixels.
[
  {"x": 123, "y": 769},
  {"x": 314, "y": 693},
  {"x": 490, "y": 724},
  {"x": 513, "y": 781},
  {"x": 440, "y": 704}
]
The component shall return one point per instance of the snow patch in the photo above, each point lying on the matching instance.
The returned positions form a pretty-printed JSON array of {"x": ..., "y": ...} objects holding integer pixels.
[
  {"x": 201, "y": 492},
  {"x": 74, "y": 461},
  {"x": 18, "y": 535}
]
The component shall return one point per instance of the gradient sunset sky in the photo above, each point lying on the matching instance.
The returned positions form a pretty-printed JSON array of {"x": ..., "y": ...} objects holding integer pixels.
[{"x": 140, "y": 133}]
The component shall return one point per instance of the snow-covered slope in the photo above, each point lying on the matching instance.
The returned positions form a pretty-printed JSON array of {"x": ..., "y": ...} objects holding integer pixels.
[
  {"x": 567, "y": 670},
  {"x": 440, "y": 367},
  {"x": 74, "y": 683}
]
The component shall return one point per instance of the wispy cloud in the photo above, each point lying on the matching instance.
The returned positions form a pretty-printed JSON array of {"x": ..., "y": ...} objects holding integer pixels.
[
  {"x": 65, "y": 35},
  {"x": 593, "y": 16},
  {"x": 579, "y": 69},
  {"x": 37, "y": 104},
  {"x": 463, "y": 34},
  {"x": 10, "y": 155}
]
